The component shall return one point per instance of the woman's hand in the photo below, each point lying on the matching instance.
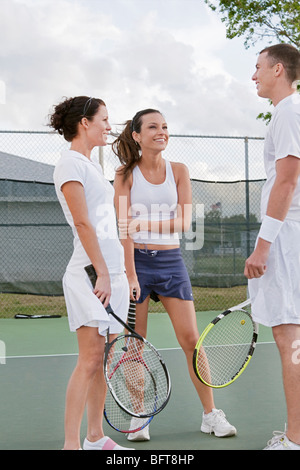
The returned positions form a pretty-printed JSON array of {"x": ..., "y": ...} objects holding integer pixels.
[
  {"x": 102, "y": 289},
  {"x": 134, "y": 286},
  {"x": 131, "y": 226}
]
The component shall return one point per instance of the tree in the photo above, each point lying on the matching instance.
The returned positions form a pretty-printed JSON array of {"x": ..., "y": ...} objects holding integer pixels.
[
  {"x": 274, "y": 19},
  {"x": 257, "y": 20}
]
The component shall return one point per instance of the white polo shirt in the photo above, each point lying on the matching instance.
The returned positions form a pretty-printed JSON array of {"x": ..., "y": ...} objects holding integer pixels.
[
  {"x": 282, "y": 139},
  {"x": 99, "y": 194}
]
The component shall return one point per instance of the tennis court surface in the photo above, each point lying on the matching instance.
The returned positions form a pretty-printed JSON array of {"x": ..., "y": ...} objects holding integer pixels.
[{"x": 41, "y": 354}]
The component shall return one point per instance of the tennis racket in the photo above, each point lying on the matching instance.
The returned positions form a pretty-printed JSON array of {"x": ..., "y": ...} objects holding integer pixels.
[
  {"x": 26, "y": 316},
  {"x": 115, "y": 416},
  {"x": 135, "y": 372},
  {"x": 226, "y": 346}
]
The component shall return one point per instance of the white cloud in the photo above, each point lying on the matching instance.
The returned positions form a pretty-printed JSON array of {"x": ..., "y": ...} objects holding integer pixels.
[{"x": 172, "y": 55}]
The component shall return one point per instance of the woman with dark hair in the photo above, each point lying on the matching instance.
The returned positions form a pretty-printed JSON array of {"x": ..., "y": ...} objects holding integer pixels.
[
  {"x": 153, "y": 198},
  {"x": 86, "y": 198}
]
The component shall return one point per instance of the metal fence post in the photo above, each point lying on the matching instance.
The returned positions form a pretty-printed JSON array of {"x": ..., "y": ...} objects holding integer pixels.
[{"x": 247, "y": 194}]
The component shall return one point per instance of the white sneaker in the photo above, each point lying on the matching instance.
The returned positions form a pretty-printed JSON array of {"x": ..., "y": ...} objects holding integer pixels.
[
  {"x": 103, "y": 444},
  {"x": 142, "y": 434},
  {"x": 281, "y": 442},
  {"x": 216, "y": 422}
]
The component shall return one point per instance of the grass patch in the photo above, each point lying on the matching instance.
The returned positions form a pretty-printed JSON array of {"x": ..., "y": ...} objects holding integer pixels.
[
  {"x": 211, "y": 298},
  {"x": 25, "y": 304},
  {"x": 205, "y": 299}
]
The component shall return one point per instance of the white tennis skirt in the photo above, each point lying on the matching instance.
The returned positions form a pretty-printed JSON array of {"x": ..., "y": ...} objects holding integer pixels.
[
  {"x": 275, "y": 297},
  {"x": 85, "y": 309}
]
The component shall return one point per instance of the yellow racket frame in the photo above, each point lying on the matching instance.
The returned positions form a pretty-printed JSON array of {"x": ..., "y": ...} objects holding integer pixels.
[{"x": 205, "y": 333}]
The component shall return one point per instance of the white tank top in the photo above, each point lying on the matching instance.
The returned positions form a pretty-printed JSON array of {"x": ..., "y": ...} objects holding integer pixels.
[{"x": 154, "y": 202}]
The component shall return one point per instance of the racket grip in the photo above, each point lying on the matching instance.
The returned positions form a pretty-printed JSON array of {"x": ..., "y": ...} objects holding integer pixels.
[
  {"x": 91, "y": 272},
  {"x": 131, "y": 312}
]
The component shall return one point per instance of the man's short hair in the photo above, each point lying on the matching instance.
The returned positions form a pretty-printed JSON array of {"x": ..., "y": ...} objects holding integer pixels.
[{"x": 288, "y": 56}]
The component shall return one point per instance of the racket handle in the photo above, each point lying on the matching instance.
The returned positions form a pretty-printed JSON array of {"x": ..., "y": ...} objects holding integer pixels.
[
  {"x": 131, "y": 312},
  {"x": 91, "y": 272}
]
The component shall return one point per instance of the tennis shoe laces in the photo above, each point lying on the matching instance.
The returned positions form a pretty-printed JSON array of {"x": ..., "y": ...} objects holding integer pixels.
[
  {"x": 280, "y": 441},
  {"x": 216, "y": 422},
  {"x": 141, "y": 435}
]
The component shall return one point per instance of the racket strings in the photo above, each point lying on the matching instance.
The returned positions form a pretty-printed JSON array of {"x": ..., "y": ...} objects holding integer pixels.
[
  {"x": 115, "y": 416},
  {"x": 120, "y": 420},
  {"x": 225, "y": 348},
  {"x": 136, "y": 376}
]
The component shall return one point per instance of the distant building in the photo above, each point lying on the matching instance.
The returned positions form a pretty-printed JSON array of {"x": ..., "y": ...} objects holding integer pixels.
[
  {"x": 17, "y": 168},
  {"x": 36, "y": 242}
]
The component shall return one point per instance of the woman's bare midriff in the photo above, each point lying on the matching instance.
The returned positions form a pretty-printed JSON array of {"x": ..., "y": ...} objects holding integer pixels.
[{"x": 143, "y": 246}]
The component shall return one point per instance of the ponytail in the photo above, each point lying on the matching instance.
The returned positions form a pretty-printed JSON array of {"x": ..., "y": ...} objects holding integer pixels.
[
  {"x": 127, "y": 150},
  {"x": 125, "y": 147}
]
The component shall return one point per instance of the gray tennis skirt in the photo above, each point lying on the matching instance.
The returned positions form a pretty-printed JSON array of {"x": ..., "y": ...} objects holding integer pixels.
[{"x": 162, "y": 272}]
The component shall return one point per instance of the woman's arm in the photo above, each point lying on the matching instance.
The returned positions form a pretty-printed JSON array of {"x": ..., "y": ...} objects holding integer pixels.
[
  {"x": 181, "y": 223},
  {"x": 122, "y": 204},
  {"x": 73, "y": 192}
]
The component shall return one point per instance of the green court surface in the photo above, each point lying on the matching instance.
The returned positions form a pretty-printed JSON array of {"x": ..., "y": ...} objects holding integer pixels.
[{"x": 40, "y": 357}]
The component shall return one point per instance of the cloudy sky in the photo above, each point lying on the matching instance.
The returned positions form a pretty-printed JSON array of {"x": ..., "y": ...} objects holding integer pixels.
[{"x": 168, "y": 54}]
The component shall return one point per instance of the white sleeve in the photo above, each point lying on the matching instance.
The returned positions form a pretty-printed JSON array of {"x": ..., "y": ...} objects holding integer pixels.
[
  {"x": 69, "y": 170},
  {"x": 286, "y": 134}
]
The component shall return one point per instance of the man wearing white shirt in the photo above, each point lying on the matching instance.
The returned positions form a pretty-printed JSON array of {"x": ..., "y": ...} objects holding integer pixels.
[{"x": 273, "y": 269}]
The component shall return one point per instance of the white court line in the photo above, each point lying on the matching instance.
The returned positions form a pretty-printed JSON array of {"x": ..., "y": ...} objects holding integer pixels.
[
  {"x": 67, "y": 354},
  {"x": 76, "y": 354},
  {"x": 42, "y": 355}
]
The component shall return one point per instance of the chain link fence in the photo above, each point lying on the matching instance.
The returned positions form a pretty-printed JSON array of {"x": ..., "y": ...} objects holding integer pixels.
[{"x": 227, "y": 175}]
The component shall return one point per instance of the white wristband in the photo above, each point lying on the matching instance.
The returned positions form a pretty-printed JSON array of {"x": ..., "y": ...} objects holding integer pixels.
[{"x": 269, "y": 228}]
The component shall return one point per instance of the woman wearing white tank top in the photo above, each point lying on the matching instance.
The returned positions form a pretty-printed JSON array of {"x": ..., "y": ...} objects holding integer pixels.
[{"x": 153, "y": 199}]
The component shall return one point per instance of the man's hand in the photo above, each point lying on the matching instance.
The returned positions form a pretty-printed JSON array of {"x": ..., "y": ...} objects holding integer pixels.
[{"x": 256, "y": 264}]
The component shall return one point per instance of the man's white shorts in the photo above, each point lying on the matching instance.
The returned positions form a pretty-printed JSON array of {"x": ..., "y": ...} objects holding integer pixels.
[{"x": 275, "y": 297}]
